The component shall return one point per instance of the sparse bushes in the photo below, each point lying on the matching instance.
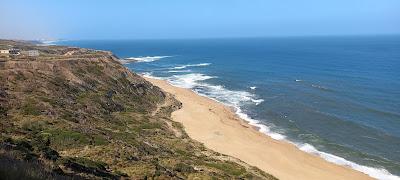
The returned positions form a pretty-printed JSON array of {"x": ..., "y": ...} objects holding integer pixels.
[
  {"x": 228, "y": 167},
  {"x": 65, "y": 138},
  {"x": 93, "y": 119},
  {"x": 30, "y": 108}
]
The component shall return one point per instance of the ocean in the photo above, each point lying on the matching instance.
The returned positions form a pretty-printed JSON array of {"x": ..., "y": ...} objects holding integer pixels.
[{"x": 336, "y": 97}]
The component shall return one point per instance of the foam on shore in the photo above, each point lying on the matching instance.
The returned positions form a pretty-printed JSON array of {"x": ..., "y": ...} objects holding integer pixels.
[
  {"x": 382, "y": 174},
  {"x": 236, "y": 99}
]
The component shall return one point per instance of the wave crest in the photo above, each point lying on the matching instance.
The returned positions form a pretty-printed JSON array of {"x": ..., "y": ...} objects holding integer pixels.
[
  {"x": 191, "y": 65},
  {"x": 195, "y": 81},
  {"x": 144, "y": 58},
  {"x": 236, "y": 99},
  {"x": 188, "y": 80}
]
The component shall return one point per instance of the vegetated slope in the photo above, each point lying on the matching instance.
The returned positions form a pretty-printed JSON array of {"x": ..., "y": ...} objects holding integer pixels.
[{"x": 78, "y": 113}]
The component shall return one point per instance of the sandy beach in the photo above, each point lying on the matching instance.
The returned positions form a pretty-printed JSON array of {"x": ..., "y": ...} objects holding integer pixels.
[{"x": 218, "y": 128}]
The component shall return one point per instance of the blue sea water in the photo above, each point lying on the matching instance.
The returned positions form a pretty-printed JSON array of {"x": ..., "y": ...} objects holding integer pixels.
[{"x": 336, "y": 97}]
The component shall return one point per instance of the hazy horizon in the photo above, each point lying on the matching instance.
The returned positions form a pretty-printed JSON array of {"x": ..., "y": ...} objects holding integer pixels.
[
  {"x": 208, "y": 38},
  {"x": 178, "y": 19}
]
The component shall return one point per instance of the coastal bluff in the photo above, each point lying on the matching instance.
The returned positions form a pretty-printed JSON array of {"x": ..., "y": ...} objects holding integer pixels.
[{"x": 75, "y": 113}]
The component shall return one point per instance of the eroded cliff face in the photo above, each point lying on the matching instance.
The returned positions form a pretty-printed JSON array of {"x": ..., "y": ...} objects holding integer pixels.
[
  {"x": 78, "y": 113},
  {"x": 86, "y": 89}
]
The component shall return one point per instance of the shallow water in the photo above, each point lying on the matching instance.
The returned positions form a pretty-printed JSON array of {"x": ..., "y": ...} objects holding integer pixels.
[{"x": 332, "y": 96}]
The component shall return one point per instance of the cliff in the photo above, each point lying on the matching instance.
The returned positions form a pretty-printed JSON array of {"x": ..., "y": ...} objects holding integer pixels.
[{"x": 78, "y": 113}]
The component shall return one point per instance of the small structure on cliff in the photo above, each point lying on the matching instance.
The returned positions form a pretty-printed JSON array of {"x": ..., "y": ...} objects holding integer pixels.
[
  {"x": 4, "y": 51},
  {"x": 14, "y": 51}
]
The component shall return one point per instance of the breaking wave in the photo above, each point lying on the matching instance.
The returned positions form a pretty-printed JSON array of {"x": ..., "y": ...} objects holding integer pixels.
[
  {"x": 195, "y": 81},
  {"x": 237, "y": 99},
  {"x": 191, "y": 65},
  {"x": 144, "y": 58},
  {"x": 150, "y": 75}
]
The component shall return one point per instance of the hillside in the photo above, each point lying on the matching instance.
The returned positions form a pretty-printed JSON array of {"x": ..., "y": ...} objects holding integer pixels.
[{"x": 78, "y": 113}]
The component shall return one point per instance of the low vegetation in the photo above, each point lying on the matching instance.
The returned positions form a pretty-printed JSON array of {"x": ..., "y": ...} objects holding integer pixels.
[{"x": 66, "y": 117}]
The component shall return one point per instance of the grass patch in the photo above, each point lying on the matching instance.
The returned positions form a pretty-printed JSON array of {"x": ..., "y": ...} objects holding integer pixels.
[
  {"x": 99, "y": 140},
  {"x": 29, "y": 108},
  {"x": 34, "y": 126},
  {"x": 228, "y": 167},
  {"x": 150, "y": 125},
  {"x": 89, "y": 163},
  {"x": 69, "y": 116},
  {"x": 67, "y": 138}
]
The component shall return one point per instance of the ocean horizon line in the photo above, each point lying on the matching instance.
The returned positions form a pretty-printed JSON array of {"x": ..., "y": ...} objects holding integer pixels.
[{"x": 216, "y": 38}]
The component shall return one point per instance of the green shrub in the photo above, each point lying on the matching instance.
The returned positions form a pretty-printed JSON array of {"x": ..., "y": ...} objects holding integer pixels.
[{"x": 66, "y": 138}]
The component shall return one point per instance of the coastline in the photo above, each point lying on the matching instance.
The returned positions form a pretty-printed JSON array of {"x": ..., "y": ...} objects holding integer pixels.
[{"x": 220, "y": 129}]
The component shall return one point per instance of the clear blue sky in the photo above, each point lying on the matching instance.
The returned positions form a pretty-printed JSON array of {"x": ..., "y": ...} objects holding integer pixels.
[{"x": 137, "y": 19}]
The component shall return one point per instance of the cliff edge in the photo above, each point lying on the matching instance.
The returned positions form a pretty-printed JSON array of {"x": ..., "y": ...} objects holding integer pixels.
[{"x": 78, "y": 113}]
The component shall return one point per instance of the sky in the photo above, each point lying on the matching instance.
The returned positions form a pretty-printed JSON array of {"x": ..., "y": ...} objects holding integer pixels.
[{"x": 180, "y": 19}]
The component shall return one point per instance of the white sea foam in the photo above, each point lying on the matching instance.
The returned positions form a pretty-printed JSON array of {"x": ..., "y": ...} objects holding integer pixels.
[
  {"x": 145, "y": 58},
  {"x": 150, "y": 75},
  {"x": 261, "y": 127},
  {"x": 253, "y": 87},
  {"x": 191, "y": 65},
  {"x": 217, "y": 92},
  {"x": 373, "y": 172},
  {"x": 236, "y": 99},
  {"x": 188, "y": 80},
  {"x": 257, "y": 101},
  {"x": 123, "y": 61}
]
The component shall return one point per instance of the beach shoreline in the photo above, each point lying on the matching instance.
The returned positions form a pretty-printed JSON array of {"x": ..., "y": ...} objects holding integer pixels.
[{"x": 220, "y": 129}]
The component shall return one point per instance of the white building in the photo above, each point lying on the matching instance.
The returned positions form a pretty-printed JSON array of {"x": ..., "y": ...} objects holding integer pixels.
[
  {"x": 4, "y": 51},
  {"x": 33, "y": 53}
]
